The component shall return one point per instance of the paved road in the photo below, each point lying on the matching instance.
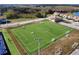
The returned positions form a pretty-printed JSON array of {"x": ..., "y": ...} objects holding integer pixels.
[
  {"x": 74, "y": 25},
  {"x": 20, "y": 23}
]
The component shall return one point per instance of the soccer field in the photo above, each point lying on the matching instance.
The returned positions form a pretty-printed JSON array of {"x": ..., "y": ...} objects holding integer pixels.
[{"x": 45, "y": 33}]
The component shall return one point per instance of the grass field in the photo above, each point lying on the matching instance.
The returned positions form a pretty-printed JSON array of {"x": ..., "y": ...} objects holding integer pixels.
[
  {"x": 45, "y": 32},
  {"x": 10, "y": 43}
]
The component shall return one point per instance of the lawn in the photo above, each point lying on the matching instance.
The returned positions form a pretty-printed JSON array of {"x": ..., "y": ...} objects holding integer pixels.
[
  {"x": 45, "y": 33},
  {"x": 10, "y": 43}
]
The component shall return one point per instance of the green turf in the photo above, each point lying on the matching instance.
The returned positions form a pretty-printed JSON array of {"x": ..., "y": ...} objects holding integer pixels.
[
  {"x": 11, "y": 45},
  {"x": 46, "y": 32}
]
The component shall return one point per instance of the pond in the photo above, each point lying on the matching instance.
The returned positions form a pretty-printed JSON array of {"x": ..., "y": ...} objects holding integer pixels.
[
  {"x": 76, "y": 13},
  {"x": 3, "y": 46}
]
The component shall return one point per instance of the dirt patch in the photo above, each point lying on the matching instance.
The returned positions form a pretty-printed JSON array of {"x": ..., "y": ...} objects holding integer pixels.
[
  {"x": 65, "y": 44},
  {"x": 18, "y": 45}
]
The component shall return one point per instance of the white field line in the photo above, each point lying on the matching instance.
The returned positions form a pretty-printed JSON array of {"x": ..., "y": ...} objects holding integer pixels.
[
  {"x": 67, "y": 32},
  {"x": 23, "y": 44}
]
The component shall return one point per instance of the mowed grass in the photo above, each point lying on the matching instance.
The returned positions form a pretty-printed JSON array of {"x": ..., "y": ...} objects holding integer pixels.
[
  {"x": 45, "y": 32},
  {"x": 10, "y": 43}
]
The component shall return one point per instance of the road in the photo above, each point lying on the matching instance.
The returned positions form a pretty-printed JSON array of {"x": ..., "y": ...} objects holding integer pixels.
[
  {"x": 74, "y": 25},
  {"x": 8, "y": 25}
]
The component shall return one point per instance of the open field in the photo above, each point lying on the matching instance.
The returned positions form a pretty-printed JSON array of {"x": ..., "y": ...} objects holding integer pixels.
[{"x": 44, "y": 32}]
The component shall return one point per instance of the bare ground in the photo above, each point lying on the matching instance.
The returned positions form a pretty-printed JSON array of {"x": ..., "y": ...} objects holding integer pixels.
[
  {"x": 18, "y": 45},
  {"x": 64, "y": 43}
]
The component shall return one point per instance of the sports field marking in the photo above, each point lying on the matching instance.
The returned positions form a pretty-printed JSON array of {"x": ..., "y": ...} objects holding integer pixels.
[
  {"x": 47, "y": 31},
  {"x": 53, "y": 39}
]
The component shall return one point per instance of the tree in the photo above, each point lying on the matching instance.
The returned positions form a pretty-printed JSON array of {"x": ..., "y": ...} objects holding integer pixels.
[
  {"x": 50, "y": 11},
  {"x": 11, "y": 15},
  {"x": 41, "y": 15}
]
